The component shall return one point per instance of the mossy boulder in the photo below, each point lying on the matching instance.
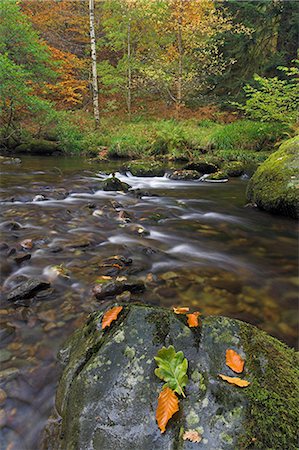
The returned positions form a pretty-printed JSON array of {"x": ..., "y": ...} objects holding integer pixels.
[
  {"x": 274, "y": 186},
  {"x": 114, "y": 184},
  {"x": 217, "y": 176},
  {"x": 146, "y": 169},
  {"x": 38, "y": 147},
  {"x": 202, "y": 166},
  {"x": 233, "y": 168},
  {"x": 184, "y": 175},
  {"x": 107, "y": 395}
]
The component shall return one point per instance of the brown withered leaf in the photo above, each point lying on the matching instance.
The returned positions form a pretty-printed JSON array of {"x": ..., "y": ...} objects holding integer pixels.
[
  {"x": 27, "y": 244},
  {"x": 168, "y": 405},
  {"x": 235, "y": 380},
  {"x": 234, "y": 361},
  {"x": 192, "y": 435},
  {"x": 110, "y": 316},
  {"x": 193, "y": 319},
  {"x": 180, "y": 310}
]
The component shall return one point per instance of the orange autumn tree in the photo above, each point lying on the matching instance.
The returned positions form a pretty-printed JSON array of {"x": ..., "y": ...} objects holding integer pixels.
[
  {"x": 64, "y": 27},
  {"x": 69, "y": 89}
]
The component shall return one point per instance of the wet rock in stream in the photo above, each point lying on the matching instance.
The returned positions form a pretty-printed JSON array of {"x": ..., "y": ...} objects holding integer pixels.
[
  {"x": 114, "y": 184},
  {"x": 108, "y": 392},
  {"x": 27, "y": 290},
  {"x": 185, "y": 175},
  {"x": 114, "y": 287}
]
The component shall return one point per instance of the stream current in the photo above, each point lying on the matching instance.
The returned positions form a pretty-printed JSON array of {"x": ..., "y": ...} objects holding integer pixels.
[{"x": 194, "y": 244}]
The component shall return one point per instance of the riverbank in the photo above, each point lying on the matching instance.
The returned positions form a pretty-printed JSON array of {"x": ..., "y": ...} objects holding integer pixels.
[{"x": 171, "y": 140}]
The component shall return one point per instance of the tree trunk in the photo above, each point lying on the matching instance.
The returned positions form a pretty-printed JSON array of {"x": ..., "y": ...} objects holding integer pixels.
[
  {"x": 180, "y": 71},
  {"x": 95, "y": 91},
  {"x": 129, "y": 88}
]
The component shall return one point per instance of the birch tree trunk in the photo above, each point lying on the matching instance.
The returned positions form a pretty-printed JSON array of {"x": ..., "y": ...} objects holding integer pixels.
[
  {"x": 95, "y": 90},
  {"x": 180, "y": 71},
  {"x": 129, "y": 99}
]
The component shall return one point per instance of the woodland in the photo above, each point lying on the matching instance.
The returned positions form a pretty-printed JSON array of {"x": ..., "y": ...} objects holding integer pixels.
[{"x": 163, "y": 76}]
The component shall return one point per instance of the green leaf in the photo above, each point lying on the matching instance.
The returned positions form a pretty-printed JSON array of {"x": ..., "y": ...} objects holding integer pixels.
[{"x": 172, "y": 368}]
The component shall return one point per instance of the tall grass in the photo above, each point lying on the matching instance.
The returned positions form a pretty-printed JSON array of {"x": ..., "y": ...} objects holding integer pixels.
[{"x": 168, "y": 138}]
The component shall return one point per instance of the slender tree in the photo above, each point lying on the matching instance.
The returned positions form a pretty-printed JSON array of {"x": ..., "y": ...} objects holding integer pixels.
[{"x": 95, "y": 90}]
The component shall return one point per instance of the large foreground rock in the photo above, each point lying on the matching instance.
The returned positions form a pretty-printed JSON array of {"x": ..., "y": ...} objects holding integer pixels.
[
  {"x": 108, "y": 392},
  {"x": 274, "y": 186}
]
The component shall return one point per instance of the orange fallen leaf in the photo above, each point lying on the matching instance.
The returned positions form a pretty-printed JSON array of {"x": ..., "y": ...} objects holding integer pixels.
[
  {"x": 192, "y": 435},
  {"x": 168, "y": 405},
  {"x": 110, "y": 316},
  {"x": 235, "y": 380},
  {"x": 193, "y": 319},
  {"x": 234, "y": 361},
  {"x": 182, "y": 310}
]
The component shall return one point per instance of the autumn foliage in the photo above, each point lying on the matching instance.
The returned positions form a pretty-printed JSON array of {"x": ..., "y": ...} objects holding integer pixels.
[
  {"x": 110, "y": 316},
  {"x": 168, "y": 405}
]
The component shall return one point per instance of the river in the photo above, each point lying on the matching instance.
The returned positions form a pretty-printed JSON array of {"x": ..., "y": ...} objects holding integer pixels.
[{"x": 195, "y": 244}]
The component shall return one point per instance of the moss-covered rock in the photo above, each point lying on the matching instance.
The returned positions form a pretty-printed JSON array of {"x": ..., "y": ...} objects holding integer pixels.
[
  {"x": 233, "y": 168},
  {"x": 38, "y": 147},
  {"x": 184, "y": 175},
  {"x": 146, "y": 169},
  {"x": 274, "y": 186},
  {"x": 114, "y": 184},
  {"x": 217, "y": 176},
  {"x": 108, "y": 392},
  {"x": 202, "y": 166}
]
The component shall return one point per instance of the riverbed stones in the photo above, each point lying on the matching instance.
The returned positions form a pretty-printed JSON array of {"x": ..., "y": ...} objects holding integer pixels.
[
  {"x": 27, "y": 290},
  {"x": 115, "y": 287},
  {"x": 274, "y": 186},
  {"x": 108, "y": 392}
]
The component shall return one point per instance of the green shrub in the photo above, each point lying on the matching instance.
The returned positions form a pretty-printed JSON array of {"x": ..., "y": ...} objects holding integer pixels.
[{"x": 273, "y": 99}]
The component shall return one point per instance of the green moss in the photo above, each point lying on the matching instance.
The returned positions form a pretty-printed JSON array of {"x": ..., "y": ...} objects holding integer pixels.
[
  {"x": 161, "y": 321},
  {"x": 274, "y": 186},
  {"x": 273, "y": 395},
  {"x": 233, "y": 168},
  {"x": 220, "y": 175}
]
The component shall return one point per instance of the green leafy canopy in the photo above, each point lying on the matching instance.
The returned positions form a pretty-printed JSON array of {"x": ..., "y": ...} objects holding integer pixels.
[{"x": 172, "y": 368}]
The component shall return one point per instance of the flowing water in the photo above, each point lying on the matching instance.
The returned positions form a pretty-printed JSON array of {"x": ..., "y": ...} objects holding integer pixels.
[{"x": 195, "y": 244}]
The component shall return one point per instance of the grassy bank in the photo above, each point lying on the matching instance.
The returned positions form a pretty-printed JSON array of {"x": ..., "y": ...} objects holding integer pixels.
[{"x": 185, "y": 139}]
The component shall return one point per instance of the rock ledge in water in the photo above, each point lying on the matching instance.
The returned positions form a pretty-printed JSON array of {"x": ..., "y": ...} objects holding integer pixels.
[
  {"x": 27, "y": 290},
  {"x": 108, "y": 392}
]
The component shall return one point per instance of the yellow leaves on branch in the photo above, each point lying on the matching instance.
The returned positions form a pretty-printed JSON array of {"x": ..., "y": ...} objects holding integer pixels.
[
  {"x": 110, "y": 316},
  {"x": 168, "y": 405},
  {"x": 193, "y": 319},
  {"x": 234, "y": 361},
  {"x": 192, "y": 435},
  {"x": 235, "y": 380}
]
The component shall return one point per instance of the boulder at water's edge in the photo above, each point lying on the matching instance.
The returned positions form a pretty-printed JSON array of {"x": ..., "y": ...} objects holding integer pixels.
[
  {"x": 274, "y": 186},
  {"x": 107, "y": 396}
]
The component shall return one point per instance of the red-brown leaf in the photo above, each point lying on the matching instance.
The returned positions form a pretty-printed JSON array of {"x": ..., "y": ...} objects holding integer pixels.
[
  {"x": 110, "y": 316},
  {"x": 168, "y": 405},
  {"x": 234, "y": 361}
]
